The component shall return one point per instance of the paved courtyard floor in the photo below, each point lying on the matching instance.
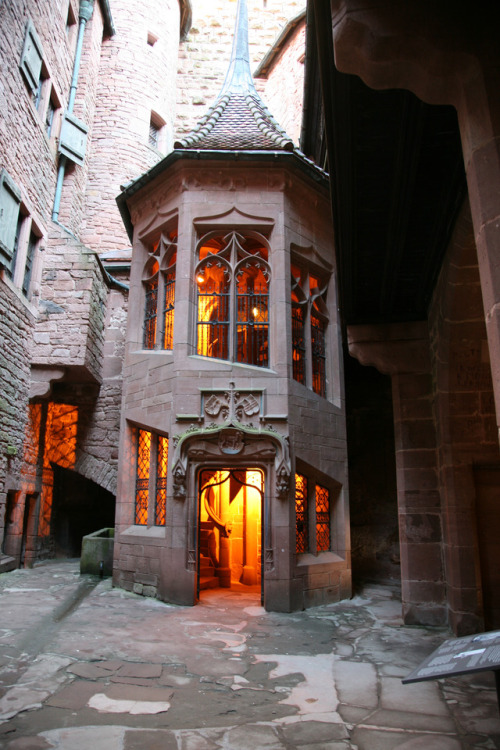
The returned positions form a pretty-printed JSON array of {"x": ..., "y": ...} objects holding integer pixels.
[{"x": 84, "y": 666}]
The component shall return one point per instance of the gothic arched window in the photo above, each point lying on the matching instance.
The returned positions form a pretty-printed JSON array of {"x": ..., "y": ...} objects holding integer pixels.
[
  {"x": 309, "y": 326},
  {"x": 232, "y": 276},
  {"x": 158, "y": 279}
]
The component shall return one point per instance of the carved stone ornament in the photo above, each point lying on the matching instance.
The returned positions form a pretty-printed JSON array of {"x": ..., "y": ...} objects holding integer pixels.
[
  {"x": 215, "y": 403},
  {"x": 231, "y": 442},
  {"x": 179, "y": 475},
  {"x": 282, "y": 482}
]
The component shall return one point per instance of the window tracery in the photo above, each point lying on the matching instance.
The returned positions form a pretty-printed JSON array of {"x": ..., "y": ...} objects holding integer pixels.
[
  {"x": 158, "y": 279},
  {"x": 309, "y": 327},
  {"x": 232, "y": 276}
]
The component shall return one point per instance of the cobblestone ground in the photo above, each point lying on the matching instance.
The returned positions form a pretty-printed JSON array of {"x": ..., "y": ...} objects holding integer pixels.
[{"x": 84, "y": 666}]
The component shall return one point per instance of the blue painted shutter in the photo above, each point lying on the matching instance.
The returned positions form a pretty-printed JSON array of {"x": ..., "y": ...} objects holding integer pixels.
[
  {"x": 10, "y": 201},
  {"x": 31, "y": 58}
]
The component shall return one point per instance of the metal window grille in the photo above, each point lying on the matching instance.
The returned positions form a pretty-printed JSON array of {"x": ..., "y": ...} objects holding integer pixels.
[
  {"x": 30, "y": 254},
  {"x": 213, "y": 319},
  {"x": 154, "y": 135},
  {"x": 150, "y": 314},
  {"x": 168, "y": 310},
  {"x": 253, "y": 324},
  {"x": 301, "y": 525},
  {"x": 161, "y": 480},
  {"x": 318, "y": 353},
  {"x": 322, "y": 519},
  {"x": 142, "y": 477},
  {"x": 298, "y": 343}
]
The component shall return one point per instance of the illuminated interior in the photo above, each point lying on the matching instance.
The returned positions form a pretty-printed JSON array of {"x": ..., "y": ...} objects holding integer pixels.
[
  {"x": 60, "y": 448},
  {"x": 146, "y": 485},
  {"x": 233, "y": 298},
  {"x": 230, "y": 525}
]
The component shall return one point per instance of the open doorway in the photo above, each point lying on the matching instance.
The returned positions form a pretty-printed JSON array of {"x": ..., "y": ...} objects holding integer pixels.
[
  {"x": 230, "y": 529},
  {"x": 79, "y": 507}
]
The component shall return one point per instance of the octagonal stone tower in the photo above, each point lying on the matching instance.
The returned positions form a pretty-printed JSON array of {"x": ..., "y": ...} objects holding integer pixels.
[{"x": 233, "y": 462}]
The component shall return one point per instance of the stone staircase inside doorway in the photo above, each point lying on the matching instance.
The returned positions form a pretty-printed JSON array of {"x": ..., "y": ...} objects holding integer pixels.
[
  {"x": 208, "y": 578},
  {"x": 208, "y": 574}
]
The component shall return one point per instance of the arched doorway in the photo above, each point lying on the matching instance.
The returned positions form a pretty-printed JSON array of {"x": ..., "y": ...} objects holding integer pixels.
[{"x": 230, "y": 513}]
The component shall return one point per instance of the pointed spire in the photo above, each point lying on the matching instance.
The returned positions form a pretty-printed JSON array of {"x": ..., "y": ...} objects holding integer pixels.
[
  {"x": 239, "y": 77},
  {"x": 238, "y": 120}
]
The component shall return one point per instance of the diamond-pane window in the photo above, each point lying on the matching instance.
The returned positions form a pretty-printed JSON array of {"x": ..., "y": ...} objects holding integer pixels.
[
  {"x": 322, "y": 519},
  {"x": 301, "y": 541},
  {"x": 142, "y": 477},
  {"x": 161, "y": 480}
]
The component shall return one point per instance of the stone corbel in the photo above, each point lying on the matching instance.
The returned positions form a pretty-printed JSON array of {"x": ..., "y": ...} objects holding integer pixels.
[
  {"x": 42, "y": 379},
  {"x": 391, "y": 348}
]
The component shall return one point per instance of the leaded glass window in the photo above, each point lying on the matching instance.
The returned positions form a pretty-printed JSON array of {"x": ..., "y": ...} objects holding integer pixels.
[
  {"x": 312, "y": 516},
  {"x": 232, "y": 277},
  {"x": 151, "y": 478},
  {"x": 322, "y": 518},
  {"x": 301, "y": 525},
  {"x": 161, "y": 480},
  {"x": 142, "y": 477}
]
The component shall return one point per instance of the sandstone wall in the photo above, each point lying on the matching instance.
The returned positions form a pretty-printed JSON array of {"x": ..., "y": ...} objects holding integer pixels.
[{"x": 136, "y": 77}]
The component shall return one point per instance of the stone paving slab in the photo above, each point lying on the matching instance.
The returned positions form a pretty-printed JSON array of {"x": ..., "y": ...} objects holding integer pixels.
[{"x": 122, "y": 672}]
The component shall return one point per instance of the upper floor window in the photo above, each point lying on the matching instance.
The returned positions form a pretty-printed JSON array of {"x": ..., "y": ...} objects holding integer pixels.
[
  {"x": 157, "y": 132},
  {"x": 309, "y": 326},
  {"x": 232, "y": 277},
  {"x": 37, "y": 77},
  {"x": 19, "y": 235},
  {"x": 159, "y": 286}
]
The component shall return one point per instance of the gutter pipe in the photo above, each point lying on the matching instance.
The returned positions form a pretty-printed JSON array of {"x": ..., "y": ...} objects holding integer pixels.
[{"x": 84, "y": 15}]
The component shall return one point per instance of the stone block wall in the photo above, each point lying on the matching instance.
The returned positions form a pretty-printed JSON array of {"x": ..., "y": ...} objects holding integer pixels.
[
  {"x": 284, "y": 83},
  {"x": 16, "y": 321},
  {"x": 72, "y": 205},
  {"x": 69, "y": 331},
  {"x": 136, "y": 78},
  {"x": 466, "y": 436}
]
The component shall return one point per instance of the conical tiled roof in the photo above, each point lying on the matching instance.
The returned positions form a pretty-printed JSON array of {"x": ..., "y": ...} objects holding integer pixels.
[{"x": 238, "y": 120}]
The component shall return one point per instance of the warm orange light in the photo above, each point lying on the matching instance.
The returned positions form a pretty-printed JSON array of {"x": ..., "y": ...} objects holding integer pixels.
[{"x": 200, "y": 279}]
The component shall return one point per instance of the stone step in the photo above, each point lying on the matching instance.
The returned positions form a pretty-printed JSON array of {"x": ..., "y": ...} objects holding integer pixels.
[
  {"x": 208, "y": 582},
  {"x": 6, "y": 563}
]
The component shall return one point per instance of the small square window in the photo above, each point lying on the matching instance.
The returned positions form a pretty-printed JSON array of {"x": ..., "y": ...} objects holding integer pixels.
[
  {"x": 157, "y": 132},
  {"x": 154, "y": 134}
]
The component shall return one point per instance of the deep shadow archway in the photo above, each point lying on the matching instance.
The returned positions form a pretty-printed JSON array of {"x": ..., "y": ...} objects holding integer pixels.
[{"x": 80, "y": 507}]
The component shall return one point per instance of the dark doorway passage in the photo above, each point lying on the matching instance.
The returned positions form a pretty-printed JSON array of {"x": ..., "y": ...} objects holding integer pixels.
[
  {"x": 372, "y": 475},
  {"x": 80, "y": 507}
]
